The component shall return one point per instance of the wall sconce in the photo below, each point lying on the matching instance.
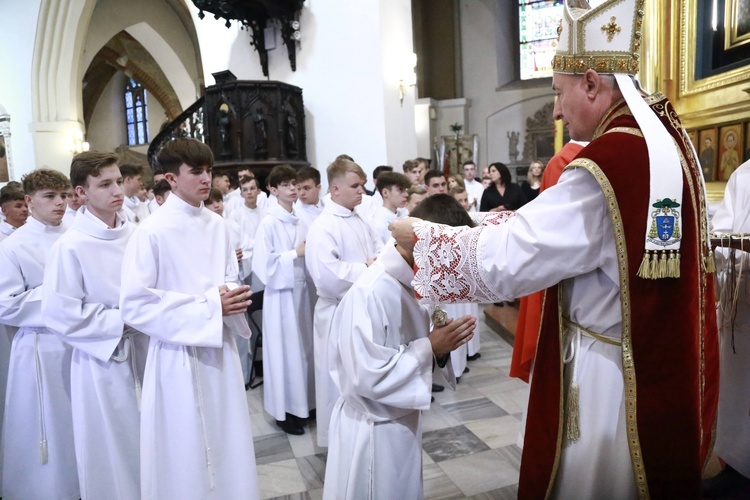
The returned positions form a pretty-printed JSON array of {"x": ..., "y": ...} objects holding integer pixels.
[
  {"x": 77, "y": 144},
  {"x": 410, "y": 80}
]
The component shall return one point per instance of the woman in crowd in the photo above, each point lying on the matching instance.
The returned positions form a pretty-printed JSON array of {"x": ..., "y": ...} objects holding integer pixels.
[
  {"x": 533, "y": 180},
  {"x": 455, "y": 180},
  {"x": 502, "y": 193}
]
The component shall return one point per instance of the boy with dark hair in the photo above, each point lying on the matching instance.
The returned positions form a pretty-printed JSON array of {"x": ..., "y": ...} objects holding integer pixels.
[
  {"x": 383, "y": 356},
  {"x": 393, "y": 189},
  {"x": 80, "y": 304},
  {"x": 279, "y": 262},
  {"x": 161, "y": 191},
  {"x": 132, "y": 182},
  {"x": 14, "y": 208},
  {"x": 38, "y": 450},
  {"x": 461, "y": 196},
  {"x": 180, "y": 289},
  {"x": 435, "y": 182},
  {"x": 309, "y": 204},
  {"x": 375, "y": 173}
]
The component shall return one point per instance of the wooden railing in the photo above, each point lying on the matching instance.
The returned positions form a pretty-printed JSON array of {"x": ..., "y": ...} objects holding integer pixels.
[{"x": 188, "y": 124}]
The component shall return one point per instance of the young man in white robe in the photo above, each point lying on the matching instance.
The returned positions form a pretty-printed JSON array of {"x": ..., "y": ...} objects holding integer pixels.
[
  {"x": 179, "y": 288},
  {"x": 132, "y": 182},
  {"x": 309, "y": 204},
  {"x": 248, "y": 216},
  {"x": 393, "y": 189},
  {"x": 340, "y": 246},
  {"x": 382, "y": 357},
  {"x": 733, "y": 424},
  {"x": 13, "y": 206},
  {"x": 80, "y": 305},
  {"x": 474, "y": 188},
  {"x": 73, "y": 204},
  {"x": 279, "y": 262},
  {"x": 39, "y": 458}
]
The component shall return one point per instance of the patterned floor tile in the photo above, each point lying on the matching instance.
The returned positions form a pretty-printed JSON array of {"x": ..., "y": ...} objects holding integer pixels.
[
  {"x": 272, "y": 448},
  {"x": 437, "y": 485},
  {"x": 480, "y": 472},
  {"x": 507, "y": 493},
  {"x": 281, "y": 478},
  {"x": 496, "y": 432},
  {"x": 447, "y": 444},
  {"x": 474, "y": 409},
  {"x": 313, "y": 470}
]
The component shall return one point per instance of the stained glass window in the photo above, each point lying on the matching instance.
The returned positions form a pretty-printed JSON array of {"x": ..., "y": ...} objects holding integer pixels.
[
  {"x": 136, "y": 113},
  {"x": 537, "y": 22}
]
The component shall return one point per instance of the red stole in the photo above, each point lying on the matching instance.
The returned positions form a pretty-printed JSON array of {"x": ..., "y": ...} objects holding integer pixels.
[{"x": 670, "y": 340}]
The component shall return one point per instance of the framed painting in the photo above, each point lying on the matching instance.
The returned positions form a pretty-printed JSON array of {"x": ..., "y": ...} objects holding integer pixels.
[
  {"x": 737, "y": 23},
  {"x": 730, "y": 150},
  {"x": 707, "y": 150}
]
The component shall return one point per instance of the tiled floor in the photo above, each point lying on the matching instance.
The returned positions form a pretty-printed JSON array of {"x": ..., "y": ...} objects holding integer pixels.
[{"x": 469, "y": 437}]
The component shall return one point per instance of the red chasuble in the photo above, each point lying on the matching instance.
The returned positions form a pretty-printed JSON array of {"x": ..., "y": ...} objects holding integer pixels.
[{"x": 669, "y": 335}]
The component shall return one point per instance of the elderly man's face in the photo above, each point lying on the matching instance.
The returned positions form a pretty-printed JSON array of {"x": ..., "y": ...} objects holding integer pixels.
[{"x": 574, "y": 105}]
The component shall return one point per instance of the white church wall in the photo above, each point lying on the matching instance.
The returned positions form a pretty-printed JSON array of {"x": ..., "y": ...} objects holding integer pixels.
[
  {"x": 487, "y": 50},
  {"x": 16, "y": 55},
  {"x": 351, "y": 105}
]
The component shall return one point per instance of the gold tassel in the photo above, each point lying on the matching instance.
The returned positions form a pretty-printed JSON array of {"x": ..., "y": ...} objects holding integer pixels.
[
  {"x": 654, "y": 265},
  {"x": 662, "y": 265},
  {"x": 45, "y": 454},
  {"x": 643, "y": 270},
  {"x": 709, "y": 263},
  {"x": 574, "y": 422},
  {"x": 676, "y": 273}
]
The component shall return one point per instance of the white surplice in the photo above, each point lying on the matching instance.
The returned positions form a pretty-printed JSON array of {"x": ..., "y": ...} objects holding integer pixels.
[
  {"x": 733, "y": 423},
  {"x": 5, "y": 230},
  {"x": 307, "y": 213},
  {"x": 39, "y": 458},
  {"x": 564, "y": 235},
  {"x": 458, "y": 356},
  {"x": 382, "y": 361},
  {"x": 379, "y": 221},
  {"x": 475, "y": 190},
  {"x": 248, "y": 219},
  {"x": 339, "y": 243},
  {"x": 135, "y": 210},
  {"x": 80, "y": 304},
  {"x": 232, "y": 200},
  {"x": 195, "y": 425},
  {"x": 288, "y": 366}
]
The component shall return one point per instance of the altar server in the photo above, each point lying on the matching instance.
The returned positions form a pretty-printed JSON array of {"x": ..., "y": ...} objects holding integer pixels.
[
  {"x": 382, "y": 360},
  {"x": 339, "y": 248},
  {"x": 39, "y": 459},
  {"x": 392, "y": 188},
  {"x": 309, "y": 204},
  {"x": 279, "y": 262},
  {"x": 195, "y": 425},
  {"x": 80, "y": 304}
]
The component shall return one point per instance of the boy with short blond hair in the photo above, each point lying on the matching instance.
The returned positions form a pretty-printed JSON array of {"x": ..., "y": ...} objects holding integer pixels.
[
  {"x": 39, "y": 458},
  {"x": 279, "y": 262},
  {"x": 80, "y": 304},
  {"x": 340, "y": 246},
  {"x": 179, "y": 288}
]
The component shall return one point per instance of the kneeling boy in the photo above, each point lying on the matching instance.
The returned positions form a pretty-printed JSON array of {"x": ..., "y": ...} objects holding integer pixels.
[{"x": 382, "y": 357}]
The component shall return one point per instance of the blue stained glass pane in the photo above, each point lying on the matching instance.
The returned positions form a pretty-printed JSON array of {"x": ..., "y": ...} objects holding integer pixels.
[
  {"x": 139, "y": 114},
  {"x": 128, "y": 99},
  {"x": 131, "y": 135},
  {"x": 129, "y": 115},
  {"x": 141, "y": 135}
]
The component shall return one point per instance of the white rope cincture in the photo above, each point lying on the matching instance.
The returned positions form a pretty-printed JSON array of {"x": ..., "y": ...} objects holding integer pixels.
[
  {"x": 199, "y": 394},
  {"x": 571, "y": 355},
  {"x": 43, "y": 451}
]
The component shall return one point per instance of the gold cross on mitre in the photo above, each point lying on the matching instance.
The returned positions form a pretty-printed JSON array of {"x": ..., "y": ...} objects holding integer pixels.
[{"x": 611, "y": 29}]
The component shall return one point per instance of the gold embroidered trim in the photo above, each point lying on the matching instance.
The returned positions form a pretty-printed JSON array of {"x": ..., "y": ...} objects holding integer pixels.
[
  {"x": 561, "y": 414},
  {"x": 609, "y": 117},
  {"x": 625, "y": 130},
  {"x": 628, "y": 363},
  {"x": 574, "y": 64}
]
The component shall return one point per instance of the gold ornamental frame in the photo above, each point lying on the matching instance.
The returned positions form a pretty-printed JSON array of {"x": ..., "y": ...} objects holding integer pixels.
[
  {"x": 688, "y": 36},
  {"x": 731, "y": 25}
]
